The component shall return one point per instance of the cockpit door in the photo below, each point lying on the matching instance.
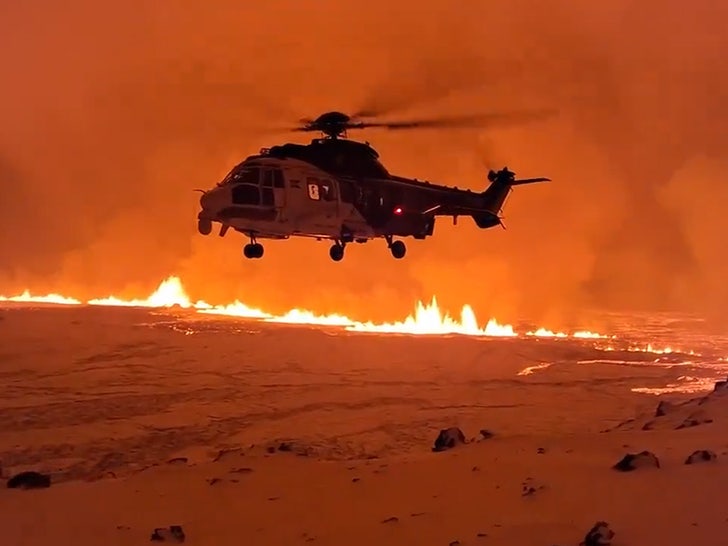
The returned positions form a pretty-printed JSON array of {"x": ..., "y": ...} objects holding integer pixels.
[{"x": 274, "y": 190}]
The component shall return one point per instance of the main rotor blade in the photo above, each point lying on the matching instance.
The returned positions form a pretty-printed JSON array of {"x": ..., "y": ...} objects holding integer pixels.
[
  {"x": 429, "y": 79},
  {"x": 485, "y": 120}
]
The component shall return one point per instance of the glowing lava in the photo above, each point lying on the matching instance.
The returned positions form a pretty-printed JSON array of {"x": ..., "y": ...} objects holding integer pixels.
[
  {"x": 55, "y": 299},
  {"x": 427, "y": 318},
  {"x": 170, "y": 293}
]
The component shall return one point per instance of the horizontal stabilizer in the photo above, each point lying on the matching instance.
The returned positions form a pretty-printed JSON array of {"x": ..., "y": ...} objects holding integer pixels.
[{"x": 529, "y": 181}]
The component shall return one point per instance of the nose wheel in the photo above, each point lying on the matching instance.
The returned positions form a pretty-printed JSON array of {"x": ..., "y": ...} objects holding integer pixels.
[
  {"x": 397, "y": 248},
  {"x": 253, "y": 249},
  {"x": 204, "y": 226}
]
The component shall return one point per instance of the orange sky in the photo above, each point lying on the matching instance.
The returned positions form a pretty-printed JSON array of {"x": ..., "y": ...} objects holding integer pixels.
[{"x": 113, "y": 115}]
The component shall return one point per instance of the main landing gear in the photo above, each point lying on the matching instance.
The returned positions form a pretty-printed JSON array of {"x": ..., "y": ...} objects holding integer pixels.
[
  {"x": 397, "y": 248},
  {"x": 253, "y": 249},
  {"x": 337, "y": 251}
]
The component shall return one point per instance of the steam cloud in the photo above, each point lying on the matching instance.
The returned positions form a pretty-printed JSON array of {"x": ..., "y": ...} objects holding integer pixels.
[{"x": 113, "y": 115}]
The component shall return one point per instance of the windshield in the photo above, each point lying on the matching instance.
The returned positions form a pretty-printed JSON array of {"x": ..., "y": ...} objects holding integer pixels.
[{"x": 247, "y": 175}]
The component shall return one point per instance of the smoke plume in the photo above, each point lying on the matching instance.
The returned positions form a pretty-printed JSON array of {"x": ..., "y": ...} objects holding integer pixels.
[{"x": 113, "y": 115}]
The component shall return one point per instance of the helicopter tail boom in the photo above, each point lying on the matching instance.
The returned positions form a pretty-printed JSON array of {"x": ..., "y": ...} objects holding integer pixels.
[{"x": 495, "y": 195}]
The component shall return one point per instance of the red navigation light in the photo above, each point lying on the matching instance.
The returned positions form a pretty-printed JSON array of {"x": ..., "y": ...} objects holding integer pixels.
[{"x": 398, "y": 211}]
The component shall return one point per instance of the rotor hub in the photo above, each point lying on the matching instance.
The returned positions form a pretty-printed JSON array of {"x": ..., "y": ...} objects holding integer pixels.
[{"x": 332, "y": 124}]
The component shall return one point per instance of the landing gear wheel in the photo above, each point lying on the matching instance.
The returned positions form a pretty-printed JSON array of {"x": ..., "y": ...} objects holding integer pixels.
[
  {"x": 253, "y": 250},
  {"x": 204, "y": 227},
  {"x": 336, "y": 252},
  {"x": 398, "y": 249}
]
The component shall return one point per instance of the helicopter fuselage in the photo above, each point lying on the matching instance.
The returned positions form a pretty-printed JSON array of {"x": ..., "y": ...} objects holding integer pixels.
[
  {"x": 280, "y": 198},
  {"x": 311, "y": 191}
]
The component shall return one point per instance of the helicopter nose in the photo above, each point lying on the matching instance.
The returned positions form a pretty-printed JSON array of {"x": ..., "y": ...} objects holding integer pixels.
[{"x": 209, "y": 199}]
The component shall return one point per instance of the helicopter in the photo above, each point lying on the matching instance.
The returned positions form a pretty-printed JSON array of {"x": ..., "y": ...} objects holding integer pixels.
[{"x": 337, "y": 189}]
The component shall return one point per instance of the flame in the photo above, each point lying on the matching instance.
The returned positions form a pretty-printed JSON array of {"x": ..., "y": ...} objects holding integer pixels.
[
  {"x": 429, "y": 320},
  {"x": 581, "y": 334},
  {"x": 543, "y": 332},
  {"x": 55, "y": 299},
  {"x": 648, "y": 348},
  {"x": 426, "y": 319},
  {"x": 169, "y": 294}
]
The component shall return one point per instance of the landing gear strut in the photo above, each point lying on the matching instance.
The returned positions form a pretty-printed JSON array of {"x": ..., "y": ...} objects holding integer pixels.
[
  {"x": 397, "y": 248},
  {"x": 337, "y": 251},
  {"x": 253, "y": 249}
]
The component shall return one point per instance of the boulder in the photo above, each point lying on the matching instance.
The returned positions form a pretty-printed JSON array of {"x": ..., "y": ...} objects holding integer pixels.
[
  {"x": 663, "y": 408},
  {"x": 701, "y": 456},
  {"x": 29, "y": 480},
  {"x": 634, "y": 461},
  {"x": 697, "y": 418},
  {"x": 173, "y": 533},
  {"x": 599, "y": 535},
  {"x": 449, "y": 438}
]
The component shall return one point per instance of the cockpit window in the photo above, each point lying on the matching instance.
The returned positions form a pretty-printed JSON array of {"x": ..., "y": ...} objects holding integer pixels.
[
  {"x": 245, "y": 175},
  {"x": 246, "y": 194},
  {"x": 278, "y": 181}
]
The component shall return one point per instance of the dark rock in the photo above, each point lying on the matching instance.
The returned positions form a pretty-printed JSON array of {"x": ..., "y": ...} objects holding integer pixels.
[
  {"x": 29, "y": 480},
  {"x": 721, "y": 386},
  {"x": 227, "y": 453},
  {"x": 633, "y": 461},
  {"x": 178, "y": 460},
  {"x": 455, "y": 543},
  {"x": 214, "y": 481},
  {"x": 529, "y": 487},
  {"x": 173, "y": 533},
  {"x": 624, "y": 423},
  {"x": 242, "y": 470},
  {"x": 486, "y": 434},
  {"x": 298, "y": 448},
  {"x": 694, "y": 420},
  {"x": 481, "y": 535},
  {"x": 649, "y": 425},
  {"x": 393, "y": 519},
  {"x": 475, "y": 469},
  {"x": 449, "y": 438},
  {"x": 663, "y": 408},
  {"x": 599, "y": 535},
  {"x": 541, "y": 450},
  {"x": 701, "y": 456},
  {"x": 354, "y": 480}
]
